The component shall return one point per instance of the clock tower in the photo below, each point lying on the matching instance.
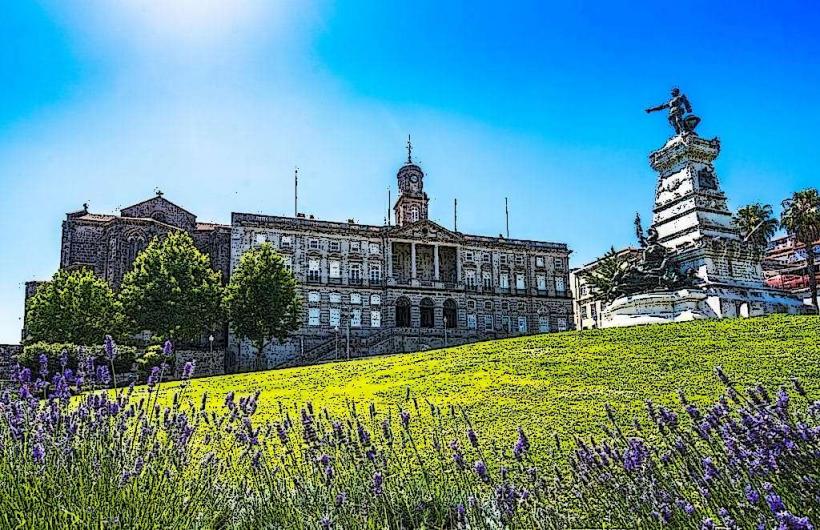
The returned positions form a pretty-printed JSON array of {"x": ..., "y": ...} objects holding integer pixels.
[{"x": 411, "y": 205}]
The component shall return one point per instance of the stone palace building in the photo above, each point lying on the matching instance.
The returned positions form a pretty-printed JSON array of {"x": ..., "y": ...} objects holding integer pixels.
[
  {"x": 366, "y": 289},
  {"x": 370, "y": 289}
]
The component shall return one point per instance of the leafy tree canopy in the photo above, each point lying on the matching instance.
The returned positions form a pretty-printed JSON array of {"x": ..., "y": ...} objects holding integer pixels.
[
  {"x": 756, "y": 224},
  {"x": 171, "y": 290},
  {"x": 262, "y": 299},
  {"x": 75, "y": 306},
  {"x": 801, "y": 219}
]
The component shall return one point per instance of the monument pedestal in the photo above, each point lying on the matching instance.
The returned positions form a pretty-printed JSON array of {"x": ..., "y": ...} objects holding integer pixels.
[{"x": 691, "y": 219}]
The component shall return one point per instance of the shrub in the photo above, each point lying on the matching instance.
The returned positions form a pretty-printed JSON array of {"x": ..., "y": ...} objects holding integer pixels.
[
  {"x": 30, "y": 356},
  {"x": 154, "y": 356}
]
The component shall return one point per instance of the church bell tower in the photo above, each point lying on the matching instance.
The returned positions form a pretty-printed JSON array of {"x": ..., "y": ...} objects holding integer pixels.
[{"x": 411, "y": 206}]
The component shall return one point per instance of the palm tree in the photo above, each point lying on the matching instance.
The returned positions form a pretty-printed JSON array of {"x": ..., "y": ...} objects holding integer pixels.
[
  {"x": 801, "y": 219},
  {"x": 756, "y": 224}
]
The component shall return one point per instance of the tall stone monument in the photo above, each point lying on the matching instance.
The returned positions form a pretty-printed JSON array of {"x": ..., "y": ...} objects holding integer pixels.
[{"x": 692, "y": 220}]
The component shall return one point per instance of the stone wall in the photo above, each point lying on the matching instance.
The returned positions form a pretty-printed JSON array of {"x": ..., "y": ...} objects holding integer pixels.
[
  {"x": 207, "y": 363},
  {"x": 8, "y": 358}
]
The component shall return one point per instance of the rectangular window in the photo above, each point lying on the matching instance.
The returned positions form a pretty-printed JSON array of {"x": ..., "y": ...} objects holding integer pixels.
[
  {"x": 519, "y": 281},
  {"x": 543, "y": 324},
  {"x": 469, "y": 278},
  {"x": 313, "y": 269},
  {"x": 355, "y": 246},
  {"x": 313, "y": 297},
  {"x": 355, "y": 271},
  {"x": 541, "y": 282},
  {"x": 558, "y": 263},
  {"x": 375, "y": 319},
  {"x": 562, "y": 324},
  {"x": 334, "y": 246},
  {"x": 522, "y": 324},
  {"x": 505, "y": 306},
  {"x": 522, "y": 306},
  {"x": 584, "y": 290},
  {"x": 335, "y": 298},
  {"x": 502, "y": 259},
  {"x": 374, "y": 248},
  {"x": 519, "y": 261},
  {"x": 260, "y": 238},
  {"x": 470, "y": 304},
  {"x": 375, "y": 299},
  {"x": 539, "y": 261},
  {"x": 505, "y": 324},
  {"x": 335, "y": 269},
  {"x": 287, "y": 242},
  {"x": 355, "y": 298},
  {"x": 559, "y": 284},
  {"x": 504, "y": 281},
  {"x": 313, "y": 316},
  {"x": 468, "y": 255},
  {"x": 375, "y": 272},
  {"x": 356, "y": 318},
  {"x": 335, "y": 317},
  {"x": 585, "y": 311},
  {"x": 488, "y": 323},
  {"x": 486, "y": 257},
  {"x": 471, "y": 323},
  {"x": 287, "y": 261},
  {"x": 487, "y": 279},
  {"x": 313, "y": 244}
]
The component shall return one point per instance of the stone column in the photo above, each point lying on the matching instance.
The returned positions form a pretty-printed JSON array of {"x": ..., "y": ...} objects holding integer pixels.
[
  {"x": 458, "y": 264},
  {"x": 436, "y": 275},
  {"x": 413, "y": 260},
  {"x": 389, "y": 259}
]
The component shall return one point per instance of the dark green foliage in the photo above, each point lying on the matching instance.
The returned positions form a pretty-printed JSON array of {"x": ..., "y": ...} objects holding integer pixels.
[
  {"x": 801, "y": 219},
  {"x": 172, "y": 291},
  {"x": 262, "y": 299},
  {"x": 53, "y": 350},
  {"x": 75, "y": 306},
  {"x": 756, "y": 224},
  {"x": 604, "y": 278}
]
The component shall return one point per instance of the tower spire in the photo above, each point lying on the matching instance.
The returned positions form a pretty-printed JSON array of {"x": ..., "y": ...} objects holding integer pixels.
[{"x": 409, "y": 150}]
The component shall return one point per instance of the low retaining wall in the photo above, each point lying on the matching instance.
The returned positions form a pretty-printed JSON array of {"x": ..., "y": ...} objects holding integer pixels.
[{"x": 206, "y": 363}]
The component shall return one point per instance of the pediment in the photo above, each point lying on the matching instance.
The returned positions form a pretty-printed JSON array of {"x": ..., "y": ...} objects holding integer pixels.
[
  {"x": 426, "y": 230},
  {"x": 161, "y": 209}
]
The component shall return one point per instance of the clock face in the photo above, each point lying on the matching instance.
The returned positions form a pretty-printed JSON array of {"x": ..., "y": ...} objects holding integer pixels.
[{"x": 414, "y": 179}]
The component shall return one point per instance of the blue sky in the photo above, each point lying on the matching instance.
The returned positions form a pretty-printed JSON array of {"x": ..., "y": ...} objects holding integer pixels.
[{"x": 215, "y": 102}]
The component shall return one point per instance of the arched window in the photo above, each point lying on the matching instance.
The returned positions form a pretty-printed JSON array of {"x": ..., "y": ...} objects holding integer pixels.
[
  {"x": 414, "y": 214},
  {"x": 403, "y": 312},
  {"x": 427, "y": 314},
  {"x": 450, "y": 313}
]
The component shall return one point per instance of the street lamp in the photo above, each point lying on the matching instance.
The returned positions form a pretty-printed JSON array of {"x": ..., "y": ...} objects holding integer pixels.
[
  {"x": 336, "y": 333},
  {"x": 445, "y": 331},
  {"x": 211, "y": 342}
]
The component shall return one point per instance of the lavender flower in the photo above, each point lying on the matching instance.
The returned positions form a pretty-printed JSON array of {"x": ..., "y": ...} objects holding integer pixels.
[
  {"x": 472, "y": 437},
  {"x": 405, "y": 418},
  {"x": 110, "y": 348},
  {"x": 378, "y": 480},
  {"x": 522, "y": 445},
  {"x": 168, "y": 348},
  {"x": 751, "y": 494},
  {"x": 188, "y": 369},
  {"x": 773, "y": 499},
  {"x": 481, "y": 471}
]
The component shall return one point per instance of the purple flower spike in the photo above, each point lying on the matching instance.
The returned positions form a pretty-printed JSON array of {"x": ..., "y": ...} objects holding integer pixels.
[
  {"x": 471, "y": 435},
  {"x": 481, "y": 470},
  {"x": 188, "y": 369},
  {"x": 378, "y": 480},
  {"x": 168, "y": 348},
  {"x": 110, "y": 348}
]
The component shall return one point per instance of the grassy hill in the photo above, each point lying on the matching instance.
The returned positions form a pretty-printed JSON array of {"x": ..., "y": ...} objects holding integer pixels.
[{"x": 555, "y": 382}]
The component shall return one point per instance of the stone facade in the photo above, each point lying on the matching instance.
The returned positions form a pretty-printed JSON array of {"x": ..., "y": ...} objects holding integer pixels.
[
  {"x": 108, "y": 244},
  {"x": 370, "y": 289},
  {"x": 784, "y": 266},
  {"x": 206, "y": 363}
]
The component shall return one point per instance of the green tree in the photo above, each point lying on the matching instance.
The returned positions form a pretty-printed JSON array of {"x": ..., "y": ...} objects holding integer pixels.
[
  {"x": 76, "y": 307},
  {"x": 801, "y": 219},
  {"x": 262, "y": 299},
  {"x": 756, "y": 224},
  {"x": 604, "y": 277},
  {"x": 171, "y": 290}
]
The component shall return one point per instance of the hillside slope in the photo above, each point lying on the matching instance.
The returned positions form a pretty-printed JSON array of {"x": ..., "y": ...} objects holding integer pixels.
[{"x": 555, "y": 382}]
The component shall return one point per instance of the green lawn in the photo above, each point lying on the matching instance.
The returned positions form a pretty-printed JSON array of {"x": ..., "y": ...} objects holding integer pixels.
[{"x": 555, "y": 382}]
